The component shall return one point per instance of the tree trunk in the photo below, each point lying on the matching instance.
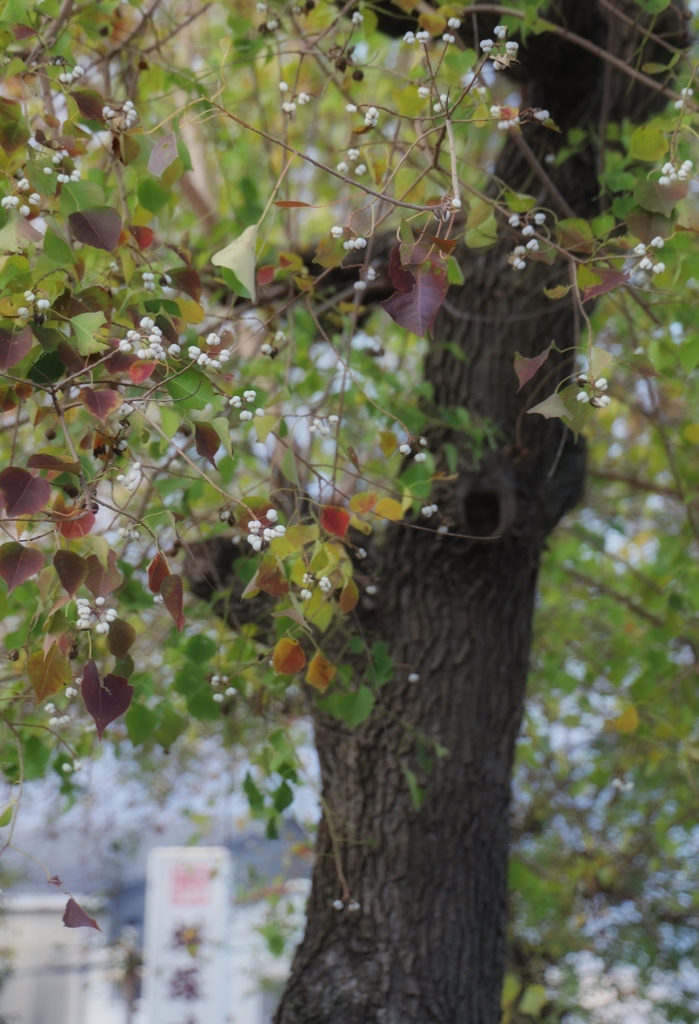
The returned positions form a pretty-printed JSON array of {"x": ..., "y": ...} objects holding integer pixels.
[{"x": 426, "y": 943}]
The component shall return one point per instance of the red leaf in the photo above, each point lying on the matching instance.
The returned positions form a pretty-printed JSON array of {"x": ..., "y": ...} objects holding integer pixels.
[
  {"x": 610, "y": 279},
  {"x": 171, "y": 589},
  {"x": 72, "y": 521},
  {"x": 75, "y": 917},
  {"x": 105, "y": 700},
  {"x": 265, "y": 275},
  {"x": 70, "y": 357},
  {"x": 271, "y": 579},
  {"x": 207, "y": 441},
  {"x": 18, "y": 563},
  {"x": 100, "y": 581},
  {"x": 164, "y": 153},
  {"x": 14, "y": 347},
  {"x": 71, "y": 568},
  {"x": 526, "y": 367},
  {"x": 446, "y": 245},
  {"x": 186, "y": 280},
  {"x": 158, "y": 570},
  {"x": 100, "y": 227},
  {"x": 335, "y": 520},
  {"x": 417, "y": 310},
  {"x": 288, "y": 657},
  {"x": 141, "y": 370},
  {"x": 289, "y": 203},
  {"x": 144, "y": 236},
  {"x": 120, "y": 637},
  {"x": 23, "y": 493},
  {"x": 100, "y": 403}
]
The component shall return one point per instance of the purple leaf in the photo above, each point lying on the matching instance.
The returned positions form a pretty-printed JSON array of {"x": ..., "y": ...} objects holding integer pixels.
[
  {"x": 75, "y": 917},
  {"x": 103, "y": 581},
  {"x": 610, "y": 279},
  {"x": 526, "y": 367},
  {"x": 71, "y": 568},
  {"x": 171, "y": 589},
  {"x": 14, "y": 347},
  {"x": 99, "y": 227},
  {"x": 106, "y": 700},
  {"x": 417, "y": 310},
  {"x": 23, "y": 493},
  {"x": 18, "y": 563},
  {"x": 207, "y": 441},
  {"x": 403, "y": 281}
]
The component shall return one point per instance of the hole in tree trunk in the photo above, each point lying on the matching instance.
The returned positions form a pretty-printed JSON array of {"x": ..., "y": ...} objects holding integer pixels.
[{"x": 482, "y": 509}]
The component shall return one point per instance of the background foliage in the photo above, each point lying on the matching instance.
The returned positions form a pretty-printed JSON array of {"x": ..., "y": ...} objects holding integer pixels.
[{"x": 191, "y": 174}]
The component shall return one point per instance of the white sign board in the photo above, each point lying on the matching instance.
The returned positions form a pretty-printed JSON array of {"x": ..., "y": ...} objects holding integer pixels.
[{"x": 187, "y": 935}]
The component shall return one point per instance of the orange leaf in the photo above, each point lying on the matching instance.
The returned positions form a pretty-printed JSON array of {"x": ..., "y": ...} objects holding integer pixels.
[
  {"x": 335, "y": 520},
  {"x": 320, "y": 672},
  {"x": 363, "y": 502},
  {"x": 349, "y": 597},
  {"x": 288, "y": 657}
]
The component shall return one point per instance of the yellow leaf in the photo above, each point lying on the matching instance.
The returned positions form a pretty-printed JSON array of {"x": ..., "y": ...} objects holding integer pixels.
[
  {"x": 627, "y": 721},
  {"x": 364, "y": 501},
  {"x": 349, "y": 596},
  {"x": 361, "y": 525},
  {"x": 691, "y": 433},
  {"x": 191, "y": 311},
  {"x": 389, "y": 508},
  {"x": 264, "y": 425},
  {"x": 320, "y": 672},
  {"x": 388, "y": 442},
  {"x": 434, "y": 23}
]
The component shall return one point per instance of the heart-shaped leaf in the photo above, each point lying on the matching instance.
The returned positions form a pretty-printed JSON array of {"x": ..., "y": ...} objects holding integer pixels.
[
  {"x": 320, "y": 672},
  {"x": 14, "y": 345},
  {"x": 100, "y": 403},
  {"x": 120, "y": 637},
  {"x": 417, "y": 309},
  {"x": 207, "y": 441},
  {"x": 71, "y": 568},
  {"x": 48, "y": 673},
  {"x": 106, "y": 700},
  {"x": 75, "y": 917},
  {"x": 526, "y": 366},
  {"x": 288, "y": 656},
  {"x": 335, "y": 520},
  {"x": 99, "y": 226},
  {"x": 103, "y": 581},
  {"x": 24, "y": 494},
  {"x": 18, "y": 563}
]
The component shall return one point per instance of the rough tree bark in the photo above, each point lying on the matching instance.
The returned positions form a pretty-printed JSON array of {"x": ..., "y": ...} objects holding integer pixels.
[{"x": 428, "y": 942}]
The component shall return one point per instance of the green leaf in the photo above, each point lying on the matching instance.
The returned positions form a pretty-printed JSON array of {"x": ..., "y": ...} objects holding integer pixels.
[
  {"x": 648, "y": 144},
  {"x": 351, "y": 708},
  {"x": 533, "y": 1000},
  {"x": 151, "y": 195},
  {"x": 140, "y": 723},
  {"x": 239, "y": 257},
  {"x": 85, "y": 326},
  {"x": 192, "y": 388}
]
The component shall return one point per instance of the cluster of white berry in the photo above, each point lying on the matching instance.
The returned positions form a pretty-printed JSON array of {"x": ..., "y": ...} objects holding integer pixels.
[
  {"x": 132, "y": 478},
  {"x": 672, "y": 173},
  {"x": 592, "y": 391},
  {"x": 406, "y": 449},
  {"x": 371, "y": 118},
  {"x": 148, "y": 281},
  {"x": 357, "y": 18},
  {"x": 452, "y": 24},
  {"x": 354, "y": 243},
  {"x": 353, "y": 906},
  {"x": 130, "y": 533},
  {"x": 259, "y": 534},
  {"x": 237, "y": 403},
  {"x": 99, "y": 617},
  {"x": 317, "y": 425},
  {"x": 148, "y": 337},
  {"x": 429, "y": 510},
  {"x": 504, "y": 122},
  {"x": 686, "y": 94},
  {"x": 127, "y": 115},
  {"x": 39, "y": 304},
  {"x": 270, "y": 350},
  {"x": 203, "y": 358},
  {"x": 57, "y": 720},
  {"x": 24, "y": 202},
  {"x": 68, "y": 77},
  {"x": 343, "y": 167},
  {"x": 217, "y": 680},
  {"x": 648, "y": 260},
  {"x": 501, "y": 53}
]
